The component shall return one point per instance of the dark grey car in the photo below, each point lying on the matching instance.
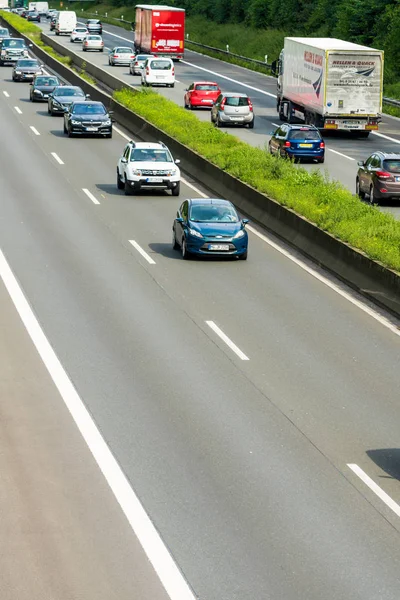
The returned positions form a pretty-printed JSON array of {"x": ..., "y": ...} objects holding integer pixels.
[
  {"x": 25, "y": 69},
  {"x": 42, "y": 86},
  {"x": 62, "y": 97},
  {"x": 379, "y": 177},
  {"x": 88, "y": 118},
  {"x": 94, "y": 26}
]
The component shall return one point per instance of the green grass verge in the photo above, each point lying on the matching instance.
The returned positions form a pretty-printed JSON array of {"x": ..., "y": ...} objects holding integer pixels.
[{"x": 311, "y": 194}]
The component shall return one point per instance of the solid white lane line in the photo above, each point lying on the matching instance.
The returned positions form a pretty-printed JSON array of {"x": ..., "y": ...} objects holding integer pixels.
[
  {"x": 375, "y": 488},
  {"x": 7, "y": 95},
  {"x": 227, "y": 340},
  {"x": 155, "y": 549},
  {"x": 90, "y": 195},
  {"x": 18, "y": 110},
  {"x": 57, "y": 158},
  {"x": 142, "y": 252},
  {"x": 35, "y": 131},
  {"x": 275, "y": 124},
  {"x": 118, "y": 36},
  {"x": 340, "y": 154},
  {"x": 250, "y": 87},
  {"x": 386, "y": 137},
  {"x": 369, "y": 311},
  {"x": 185, "y": 181}
]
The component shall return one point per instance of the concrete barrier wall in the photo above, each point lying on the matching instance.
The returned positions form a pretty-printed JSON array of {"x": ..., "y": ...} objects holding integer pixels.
[{"x": 365, "y": 275}]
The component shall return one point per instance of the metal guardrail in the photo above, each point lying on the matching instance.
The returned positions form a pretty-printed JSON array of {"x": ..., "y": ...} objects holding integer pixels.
[{"x": 391, "y": 102}]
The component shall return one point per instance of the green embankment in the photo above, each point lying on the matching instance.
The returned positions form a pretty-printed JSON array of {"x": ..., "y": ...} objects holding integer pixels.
[{"x": 311, "y": 194}]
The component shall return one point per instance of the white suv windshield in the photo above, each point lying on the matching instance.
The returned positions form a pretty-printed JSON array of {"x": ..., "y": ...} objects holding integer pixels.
[
  {"x": 148, "y": 154},
  {"x": 160, "y": 65}
]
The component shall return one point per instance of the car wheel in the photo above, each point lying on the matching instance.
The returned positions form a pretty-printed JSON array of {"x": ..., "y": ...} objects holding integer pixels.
[
  {"x": 70, "y": 134},
  {"x": 101, "y": 49},
  {"x": 190, "y": 106},
  {"x": 243, "y": 256},
  {"x": 218, "y": 122},
  {"x": 372, "y": 199},
  {"x": 120, "y": 184},
  {"x": 359, "y": 193},
  {"x": 175, "y": 244},
  {"x": 321, "y": 160},
  {"x": 127, "y": 188},
  {"x": 185, "y": 253},
  {"x": 251, "y": 125},
  {"x": 49, "y": 110},
  {"x": 172, "y": 85},
  {"x": 109, "y": 135},
  {"x": 175, "y": 191},
  {"x": 270, "y": 149},
  {"x": 65, "y": 129}
]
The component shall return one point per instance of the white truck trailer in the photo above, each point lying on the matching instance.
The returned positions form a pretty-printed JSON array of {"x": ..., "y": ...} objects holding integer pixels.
[{"x": 330, "y": 83}]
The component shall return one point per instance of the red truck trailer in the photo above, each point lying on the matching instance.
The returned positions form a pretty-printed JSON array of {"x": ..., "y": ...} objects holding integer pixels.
[{"x": 160, "y": 30}]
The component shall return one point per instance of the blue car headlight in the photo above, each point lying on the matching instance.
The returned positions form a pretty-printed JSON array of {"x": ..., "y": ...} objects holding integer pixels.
[
  {"x": 239, "y": 234},
  {"x": 195, "y": 233}
]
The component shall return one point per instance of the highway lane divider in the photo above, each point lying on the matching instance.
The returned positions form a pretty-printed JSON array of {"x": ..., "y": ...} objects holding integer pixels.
[{"x": 234, "y": 170}]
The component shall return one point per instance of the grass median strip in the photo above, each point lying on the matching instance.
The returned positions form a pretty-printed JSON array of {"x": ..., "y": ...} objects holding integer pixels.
[{"x": 311, "y": 194}]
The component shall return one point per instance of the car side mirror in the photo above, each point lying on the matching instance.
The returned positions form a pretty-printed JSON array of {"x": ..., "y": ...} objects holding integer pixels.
[
  {"x": 177, "y": 162},
  {"x": 87, "y": 95},
  {"x": 110, "y": 112},
  {"x": 361, "y": 163},
  {"x": 179, "y": 220},
  {"x": 124, "y": 160},
  {"x": 65, "y": 109},
  {"x": 30, "y": 45},
  {"x": 245, "y": 221}
]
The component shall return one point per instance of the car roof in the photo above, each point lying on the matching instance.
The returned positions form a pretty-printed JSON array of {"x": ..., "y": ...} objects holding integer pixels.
[
  {"x": 149, "y": 145},
  {"x": 387, "y": 155},
  {"x": 301, "y": 127},
  {"x": 215, "y": 201},
  {"x": 86, "y": 102},
  {"x": 235, "y": 94},
  {"x": 205, "y": 83},
  {"x": 124, "y": 47}
]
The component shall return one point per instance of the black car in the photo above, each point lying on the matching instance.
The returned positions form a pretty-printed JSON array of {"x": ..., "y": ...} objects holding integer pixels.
[
  {"x": 94, "y": 26},
  {"x": 88, "y": 118},
  {"x": 33, "y": 15},
  {"x": 25, "y": 69},
  {"x": 62, "y": 97},
  {"x": 379, "y": 177},
  {"x": 42, "y": 86}
]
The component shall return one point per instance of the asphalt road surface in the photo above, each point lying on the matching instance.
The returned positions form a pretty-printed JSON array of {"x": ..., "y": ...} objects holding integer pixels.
[
  {"x": 241, "y": 465},
  {"x": 343, "y": 151}
]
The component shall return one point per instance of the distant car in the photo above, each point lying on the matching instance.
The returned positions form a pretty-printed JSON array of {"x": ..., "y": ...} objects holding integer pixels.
[
  {"x": 201, "y": 94},
  {"x": 93, "y": 42},
  {"x": 53, "y": 20},
  {"x": 42, "y": 86},
  {"x": 136, "y": 65},
  {"x": 158, "y": 71},
  {"x": 379, "y": 177},
  {"x": 4, "y": 33},
  {"x": 148, "y": 165},
  {"x": 25, "y": 69},
  {"x": 233, "y": 109},
  {"x": 121, "y": 55},
  {"x": 209, "y": 227},
  {"x": 94, "y": 26},
  {"x": 298, "y": 141},
  {"x": 62, "y": 97},
  {"x": 24, "y": 13},
  {"x": 12, "y": 49},
  {"x": 88, "y": 118},
  {"x": 78, "y": 34},
  {"x": 32, "y": 15}
]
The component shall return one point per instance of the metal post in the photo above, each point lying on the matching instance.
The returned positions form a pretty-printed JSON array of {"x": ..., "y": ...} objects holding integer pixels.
[
  {"x": 227, "y": 47},
  {"x": 187, "y": 36},
  {"x": 122, "y": 17},
  {"x": 266, "y": 59},
  {"x": 106, "y": 14}
]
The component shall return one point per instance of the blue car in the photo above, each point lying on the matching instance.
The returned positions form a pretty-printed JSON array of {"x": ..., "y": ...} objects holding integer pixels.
[
  {"x": 297, "y": 141},
  {"x": 209, "y": 227}
]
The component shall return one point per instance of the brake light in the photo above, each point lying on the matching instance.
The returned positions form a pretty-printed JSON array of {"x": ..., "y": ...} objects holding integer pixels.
[
  {"x": 115, "y": 56},
  {"x": 136, "y": 64},
  {"x": 173, "y": 70},
  {"x": 132, "y": 56},
  {"x": 382, "y": 174},
  {"x": 147, "y": 71},
  {"x": 223, "y": 103},
  {"x": 322, "y": 144},
  {"x": 250, "y": 105},
  {"x": 287, "y": 144}
]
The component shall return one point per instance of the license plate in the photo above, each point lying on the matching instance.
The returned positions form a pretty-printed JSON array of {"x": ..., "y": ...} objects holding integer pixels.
[
  {"x": 206, "y": 100},
  {"x": 92, "y": 128},
  {"x": 236, "y": 118},
  {"x": 154, "y": 179},
  {"x": 160, "y": 77},
  {"x": 305, "y": 145},
  {"x": 218, "y": 246}
]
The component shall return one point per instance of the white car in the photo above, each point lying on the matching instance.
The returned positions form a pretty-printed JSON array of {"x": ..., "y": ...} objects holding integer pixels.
[
  {"x": 137, "y": 64},
  {"x": 93, "y": 42},
  {"x": 121, "y": 55},
  {"x": 158, "y": 71},
  {"x": 78, "y": 34},
  {"x": 145, "y": 165}
]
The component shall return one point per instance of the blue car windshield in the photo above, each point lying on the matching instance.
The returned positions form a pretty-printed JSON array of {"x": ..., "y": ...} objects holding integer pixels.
[{"x": 207, "y": 213}]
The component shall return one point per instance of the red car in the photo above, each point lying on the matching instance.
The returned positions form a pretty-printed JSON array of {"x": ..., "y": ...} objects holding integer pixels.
[{"x": 201, "y": 93}]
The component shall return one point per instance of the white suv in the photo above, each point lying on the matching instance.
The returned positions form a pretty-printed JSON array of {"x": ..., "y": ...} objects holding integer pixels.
[
  {"x": 158, "y": 71},
  {"x": 145, "y": 165}
]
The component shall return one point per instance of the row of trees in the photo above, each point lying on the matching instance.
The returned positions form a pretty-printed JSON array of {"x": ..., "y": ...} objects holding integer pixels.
[{"x": 374, "y": 23}]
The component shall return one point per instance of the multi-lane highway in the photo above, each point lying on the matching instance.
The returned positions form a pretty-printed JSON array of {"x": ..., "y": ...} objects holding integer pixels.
[
  {"x": 343, "y": 151},
  {"x": 267, "y": 460}
]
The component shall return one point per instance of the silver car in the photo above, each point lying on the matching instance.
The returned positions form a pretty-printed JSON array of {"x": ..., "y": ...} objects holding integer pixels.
[
  {"x": 121, "y": 55},
  {"x": 136, "y": 65},
  {"x": 233, "y": 109},
  {"x": 93, "y": 42}
]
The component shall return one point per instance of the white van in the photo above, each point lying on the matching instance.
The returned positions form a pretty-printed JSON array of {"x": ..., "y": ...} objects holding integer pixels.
[
  {"x": 158, "y": 71},
  {"x": 42, "y": 7},
  {"x": 66, "y": 22}
]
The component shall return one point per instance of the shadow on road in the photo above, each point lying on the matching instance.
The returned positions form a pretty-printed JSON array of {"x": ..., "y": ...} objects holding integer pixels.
[{"x": 388, "y": 459}]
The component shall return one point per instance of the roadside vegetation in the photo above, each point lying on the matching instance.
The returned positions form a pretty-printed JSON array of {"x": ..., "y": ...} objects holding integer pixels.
[{"x": 311, "y": 194}]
